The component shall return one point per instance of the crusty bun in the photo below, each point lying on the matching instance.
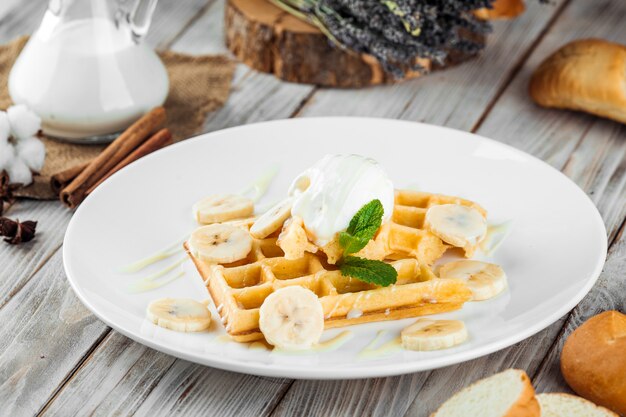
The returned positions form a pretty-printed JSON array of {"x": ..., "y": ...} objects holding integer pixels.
[
  {"x": 502, "y": 9},
  {"x": 587, "y": 75},
  {"x": 565, "y": 405},
  {"x": 507, "y": 394},
  {"x": 593, "y": 360}
]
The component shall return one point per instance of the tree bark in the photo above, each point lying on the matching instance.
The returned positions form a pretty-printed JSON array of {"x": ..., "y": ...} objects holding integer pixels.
[{"x": 271, "y": 40}]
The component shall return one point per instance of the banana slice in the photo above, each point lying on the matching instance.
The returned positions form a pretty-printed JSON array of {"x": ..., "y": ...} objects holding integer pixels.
[
  {"x": 485, "y": 280},
  {"x": 292, "y": 318},
  {"x": 222, "y": 207},
  {"x": 180, "y": 314},
  {"x": 271, "y": 220},
  {"x": 293, "y": 239},
  {"x": 428, "y": 334},
  {"x": 220, "y": 243},
  {"x": 458, "y": 225}
]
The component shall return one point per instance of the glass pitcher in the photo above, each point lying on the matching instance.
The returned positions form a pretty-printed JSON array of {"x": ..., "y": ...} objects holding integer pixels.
[{"x": 86, "y": 71}]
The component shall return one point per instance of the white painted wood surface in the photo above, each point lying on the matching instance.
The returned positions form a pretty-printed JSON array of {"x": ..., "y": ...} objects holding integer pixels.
[{"x": 57, "y": 359}]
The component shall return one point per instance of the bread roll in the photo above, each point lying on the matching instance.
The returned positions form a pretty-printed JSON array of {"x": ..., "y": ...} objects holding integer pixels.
[
  {"x": 507, "y": 394},
  {"x": 587, "y": 75},
  {"x": 502, "y": 9},
  {"x": 593, "y": 360},
  {"x": 565, "y": 405}
]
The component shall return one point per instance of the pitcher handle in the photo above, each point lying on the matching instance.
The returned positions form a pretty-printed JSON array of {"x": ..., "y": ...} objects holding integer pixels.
[{"x": 141, "y": 17}]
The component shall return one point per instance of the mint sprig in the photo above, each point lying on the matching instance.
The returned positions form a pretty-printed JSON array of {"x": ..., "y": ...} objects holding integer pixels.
[
  {"x": 361, "y": 230},
  {"x": 368, "y": 270}
]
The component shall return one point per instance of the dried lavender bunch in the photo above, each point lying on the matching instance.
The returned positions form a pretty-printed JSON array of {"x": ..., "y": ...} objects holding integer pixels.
[{"x": 397, "y": 32}]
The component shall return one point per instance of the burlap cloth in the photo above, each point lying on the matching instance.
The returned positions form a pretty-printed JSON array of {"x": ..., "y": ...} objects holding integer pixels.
[{"x": 198, "y": 85}]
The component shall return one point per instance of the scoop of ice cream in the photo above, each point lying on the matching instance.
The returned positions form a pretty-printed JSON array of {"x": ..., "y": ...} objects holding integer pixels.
[{"x": 327, "y": 195}]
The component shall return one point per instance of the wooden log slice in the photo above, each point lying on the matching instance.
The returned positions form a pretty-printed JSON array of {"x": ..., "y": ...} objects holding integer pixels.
[{"x": 271, "y": 40}]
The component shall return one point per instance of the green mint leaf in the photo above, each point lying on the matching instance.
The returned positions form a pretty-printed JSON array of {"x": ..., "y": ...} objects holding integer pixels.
[
  {"x": 351, "y": 244},
  {"x": 367, "y": 270},
  {"x": 362, "y": 228},
  {"x": 367, "y": 220}
]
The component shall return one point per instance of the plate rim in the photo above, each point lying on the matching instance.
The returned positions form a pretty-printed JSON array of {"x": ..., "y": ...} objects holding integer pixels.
[{"x": 371, "y": 371}]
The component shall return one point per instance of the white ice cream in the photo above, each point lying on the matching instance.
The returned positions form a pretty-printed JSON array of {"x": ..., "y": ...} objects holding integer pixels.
[{"x": 328, "y": 195}]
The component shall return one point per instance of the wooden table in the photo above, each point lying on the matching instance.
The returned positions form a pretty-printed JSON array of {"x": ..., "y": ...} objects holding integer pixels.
[{"x": 56, "y": 358}]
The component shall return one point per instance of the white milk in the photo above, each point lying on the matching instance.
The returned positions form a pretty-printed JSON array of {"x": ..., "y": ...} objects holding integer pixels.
[{"x": 87, "y": 78}]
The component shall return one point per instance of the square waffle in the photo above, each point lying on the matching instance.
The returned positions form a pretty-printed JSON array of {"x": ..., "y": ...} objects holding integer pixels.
[{"x": 239, "y": 289}]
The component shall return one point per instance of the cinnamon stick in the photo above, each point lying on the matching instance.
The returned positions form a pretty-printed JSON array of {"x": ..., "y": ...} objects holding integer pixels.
[
  {"x": 76, "y": 191},
  {"x": 160, "y": 139},
  {"x": 61, "y": 179}
]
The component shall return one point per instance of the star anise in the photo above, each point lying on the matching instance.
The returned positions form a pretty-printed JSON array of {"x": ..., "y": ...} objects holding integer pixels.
[
  {"x": 6, "y": 191},
  {"x": 16, "y": 232}
]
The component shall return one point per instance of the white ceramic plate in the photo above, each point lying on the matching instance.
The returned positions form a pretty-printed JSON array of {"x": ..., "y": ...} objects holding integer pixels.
[{"x": 552, "y": 256}]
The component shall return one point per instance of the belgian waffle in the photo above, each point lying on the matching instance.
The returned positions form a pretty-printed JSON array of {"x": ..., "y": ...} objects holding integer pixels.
[{"x": 239, "y": 289}]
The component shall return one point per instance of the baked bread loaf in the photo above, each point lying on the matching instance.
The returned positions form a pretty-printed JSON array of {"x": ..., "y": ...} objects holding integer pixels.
[
  {"x": 507, "y": 394},
  {"x": 502, "y": 9},
  {"x": 587, "y": 75},
  {"x": 565, "y": 405},
  {"x": 593, "y": 360}
]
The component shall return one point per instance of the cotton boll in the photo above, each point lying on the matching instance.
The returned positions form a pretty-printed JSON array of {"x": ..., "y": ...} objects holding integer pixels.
[
  {"x": 7, "y": 154},
  {"x": 5, "y": 128},
  {"x": 24, "y": 123},
  {"x": 19, "y": 172},
  {"x": 33, "y": 152}
]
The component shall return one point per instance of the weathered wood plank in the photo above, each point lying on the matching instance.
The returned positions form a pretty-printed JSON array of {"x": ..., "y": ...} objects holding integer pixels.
[
  {"x": 258, "y": 97},
  {"x": 6, "y": 7},
  {"x": 607, "y": 294},
  {"x": 205, "y": 35},
  {"x": 598, "y": 165},
  {"x": 22, "y": 18},
  {"x": 189, "y": 389},
  {"x": 103, "y": 387},
  {"x": 600, "y": 162},
  {"x": 20, "y": 262},
  {"x": 45, "y": 332},
  {"x": 171, "y": 18},
  {"x": 126, "y": 378},
  {"x": 372, "y": 397}
]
